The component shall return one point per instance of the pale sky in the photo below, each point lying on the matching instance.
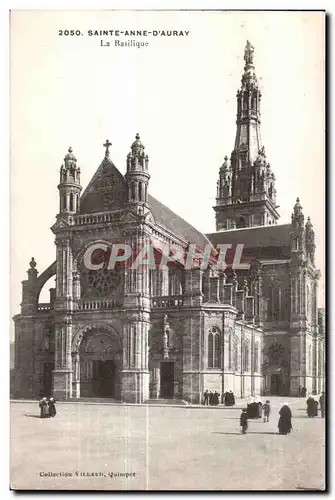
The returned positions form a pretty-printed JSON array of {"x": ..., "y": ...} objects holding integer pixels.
[{"x": 179, "y": 93}]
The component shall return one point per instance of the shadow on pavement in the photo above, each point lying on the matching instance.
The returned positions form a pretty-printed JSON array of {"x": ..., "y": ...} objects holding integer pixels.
[
  {"x": 32, "y": 416},
  {"x": 276, "y": 433},
  {"x": 231, "y": 433}
]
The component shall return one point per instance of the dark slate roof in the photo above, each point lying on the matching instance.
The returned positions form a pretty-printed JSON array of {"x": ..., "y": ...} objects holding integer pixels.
[
  {"x": 92, "y": 201},
  {"x": 254, "y": 237},
  {"x": 178, "y": 226}
]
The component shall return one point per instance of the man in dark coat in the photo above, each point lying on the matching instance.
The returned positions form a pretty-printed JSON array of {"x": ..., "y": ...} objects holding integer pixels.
[
  {"x": 244, "y": 421},
  {"x": 285, "y": 419},
  {"x": 231, "y": 398},
  {"x": 266, "y": 410},
  {"x": 206, "y": 396}
]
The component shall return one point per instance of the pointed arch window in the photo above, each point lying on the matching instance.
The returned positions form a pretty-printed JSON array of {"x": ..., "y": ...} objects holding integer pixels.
[
  {"x": 213, "y": 348},
  {"x": 64, "y": 207},
  {"x": 275, "y": 303},
  {"x": 235, "y": 354},
  {"x": 310, "y": 365},
  {"x": 71, "y": 202},
  {"x": 246, "y": 356},
  {"x": 256, "y": 358},
  {"x": 133, "y": 192}
]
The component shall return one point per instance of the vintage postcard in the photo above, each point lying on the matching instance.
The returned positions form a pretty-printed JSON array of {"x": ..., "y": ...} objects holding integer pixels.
[{"x": 167, "y": 250}]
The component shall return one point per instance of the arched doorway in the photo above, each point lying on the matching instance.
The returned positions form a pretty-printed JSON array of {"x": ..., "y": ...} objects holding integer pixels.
[{"x": 99, "y": 362}]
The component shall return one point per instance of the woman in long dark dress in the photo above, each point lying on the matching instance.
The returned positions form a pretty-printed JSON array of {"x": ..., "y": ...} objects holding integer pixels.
[
  {"x": 44, "y": 408},
  {"x": 285, "y": 419},
  {"x": 52, "y": 407},
  {"x": 311, "y": 407}
]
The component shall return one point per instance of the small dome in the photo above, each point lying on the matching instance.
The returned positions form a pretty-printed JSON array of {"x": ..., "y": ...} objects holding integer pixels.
[
  {"x": 137, "y": 144},
  {"x": 70, "y": 155}
]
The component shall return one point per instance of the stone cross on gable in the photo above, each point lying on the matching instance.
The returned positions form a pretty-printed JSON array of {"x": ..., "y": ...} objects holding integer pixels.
[{"x": 107, "y": 145}]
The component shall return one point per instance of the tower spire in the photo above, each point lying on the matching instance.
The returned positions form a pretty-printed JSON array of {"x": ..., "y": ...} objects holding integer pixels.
[
  {"x": 248, "y": 136},
  {"x": 246, "y": 194}
]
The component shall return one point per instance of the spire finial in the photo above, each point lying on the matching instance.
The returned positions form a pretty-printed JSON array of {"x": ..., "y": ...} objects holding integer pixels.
[
  {"x": 137, "y": 136},
  {"x": 107, "y": 145},
  {"x": 32, "y": 263},
  {"x": 249, "y": 53}
]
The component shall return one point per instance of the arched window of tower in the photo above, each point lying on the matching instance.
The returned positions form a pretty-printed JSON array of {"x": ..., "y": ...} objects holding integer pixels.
[
  {"x": 71, "y": 202},
  {"x": 241, "y": 222},
  {"x": 64, "y": 207}
]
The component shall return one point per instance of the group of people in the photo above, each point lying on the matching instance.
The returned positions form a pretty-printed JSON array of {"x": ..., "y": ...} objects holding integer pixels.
[
  {"x": 228, "y": 398},
  {"x": 213, "y": 398},
  {"x": 47, "y": 407},
  {"x": 256, "y": 409},
  {"x": 313, "y": 406}
]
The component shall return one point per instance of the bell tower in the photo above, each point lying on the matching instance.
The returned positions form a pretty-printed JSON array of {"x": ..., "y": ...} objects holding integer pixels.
[
  {"x": 69, "y": 186},
  {"x": 246, "y": 194},
  {"x": 137, "y": 175}
]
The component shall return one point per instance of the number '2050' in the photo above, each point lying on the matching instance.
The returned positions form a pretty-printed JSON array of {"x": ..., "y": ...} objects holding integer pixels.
[{"x": 69, "y": 32}]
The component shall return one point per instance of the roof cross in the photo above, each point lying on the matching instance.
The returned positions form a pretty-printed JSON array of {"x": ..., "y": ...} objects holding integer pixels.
[{"x": 106, "y": 145}]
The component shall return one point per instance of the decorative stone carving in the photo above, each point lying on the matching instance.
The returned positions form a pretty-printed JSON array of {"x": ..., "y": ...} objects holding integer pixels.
[
  {"x": 166, "y": 339},
  {"x": 78, "y": 337}
]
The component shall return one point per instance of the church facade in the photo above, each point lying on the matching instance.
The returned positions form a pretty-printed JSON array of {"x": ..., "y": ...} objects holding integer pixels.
[{"x": 171, "y": 332}]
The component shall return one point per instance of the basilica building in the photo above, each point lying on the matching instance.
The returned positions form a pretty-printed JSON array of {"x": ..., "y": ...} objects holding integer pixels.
[{"x": 137, "y": 334}]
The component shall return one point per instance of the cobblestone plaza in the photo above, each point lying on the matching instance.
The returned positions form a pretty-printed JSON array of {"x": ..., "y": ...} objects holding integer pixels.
[{"x": 164, "y": 448}]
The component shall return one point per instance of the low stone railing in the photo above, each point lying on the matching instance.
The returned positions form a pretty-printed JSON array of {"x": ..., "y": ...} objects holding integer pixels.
[
  {"x": 43, "y": 307},
  {"x": 83, "y": 219},
  {"x": 173, "y": 301},
  {"x": 96, "y": 304}
]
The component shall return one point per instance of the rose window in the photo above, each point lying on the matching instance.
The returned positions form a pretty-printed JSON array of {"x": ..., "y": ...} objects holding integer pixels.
[{"x": 101, "y": 283}]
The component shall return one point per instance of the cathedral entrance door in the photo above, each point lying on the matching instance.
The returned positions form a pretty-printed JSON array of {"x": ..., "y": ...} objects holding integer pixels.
[
  {"x": 276, "y": 384},
  {"x": 167, "y": 379},
  {"x": 107, "y": 379},
  {"x": 100, "y": 364},
  {"x": 103, "y": 380}
]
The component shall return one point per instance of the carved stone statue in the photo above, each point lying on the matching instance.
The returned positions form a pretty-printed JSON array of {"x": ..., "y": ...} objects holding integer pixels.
[
  {"x": 166, "y": 340},
  {"x": 249, "y": 53}
]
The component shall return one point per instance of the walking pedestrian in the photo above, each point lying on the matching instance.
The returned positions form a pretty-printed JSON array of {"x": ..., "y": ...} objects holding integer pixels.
[
  {"x": 244, "y": 421},
  {"x": 52, "y": 407},
  {"x": 43, "y": 404},
  {"x": 285, "y": 419},
  {"x": 206, "y": 396},
  {"x": 266, "y": 410}
]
